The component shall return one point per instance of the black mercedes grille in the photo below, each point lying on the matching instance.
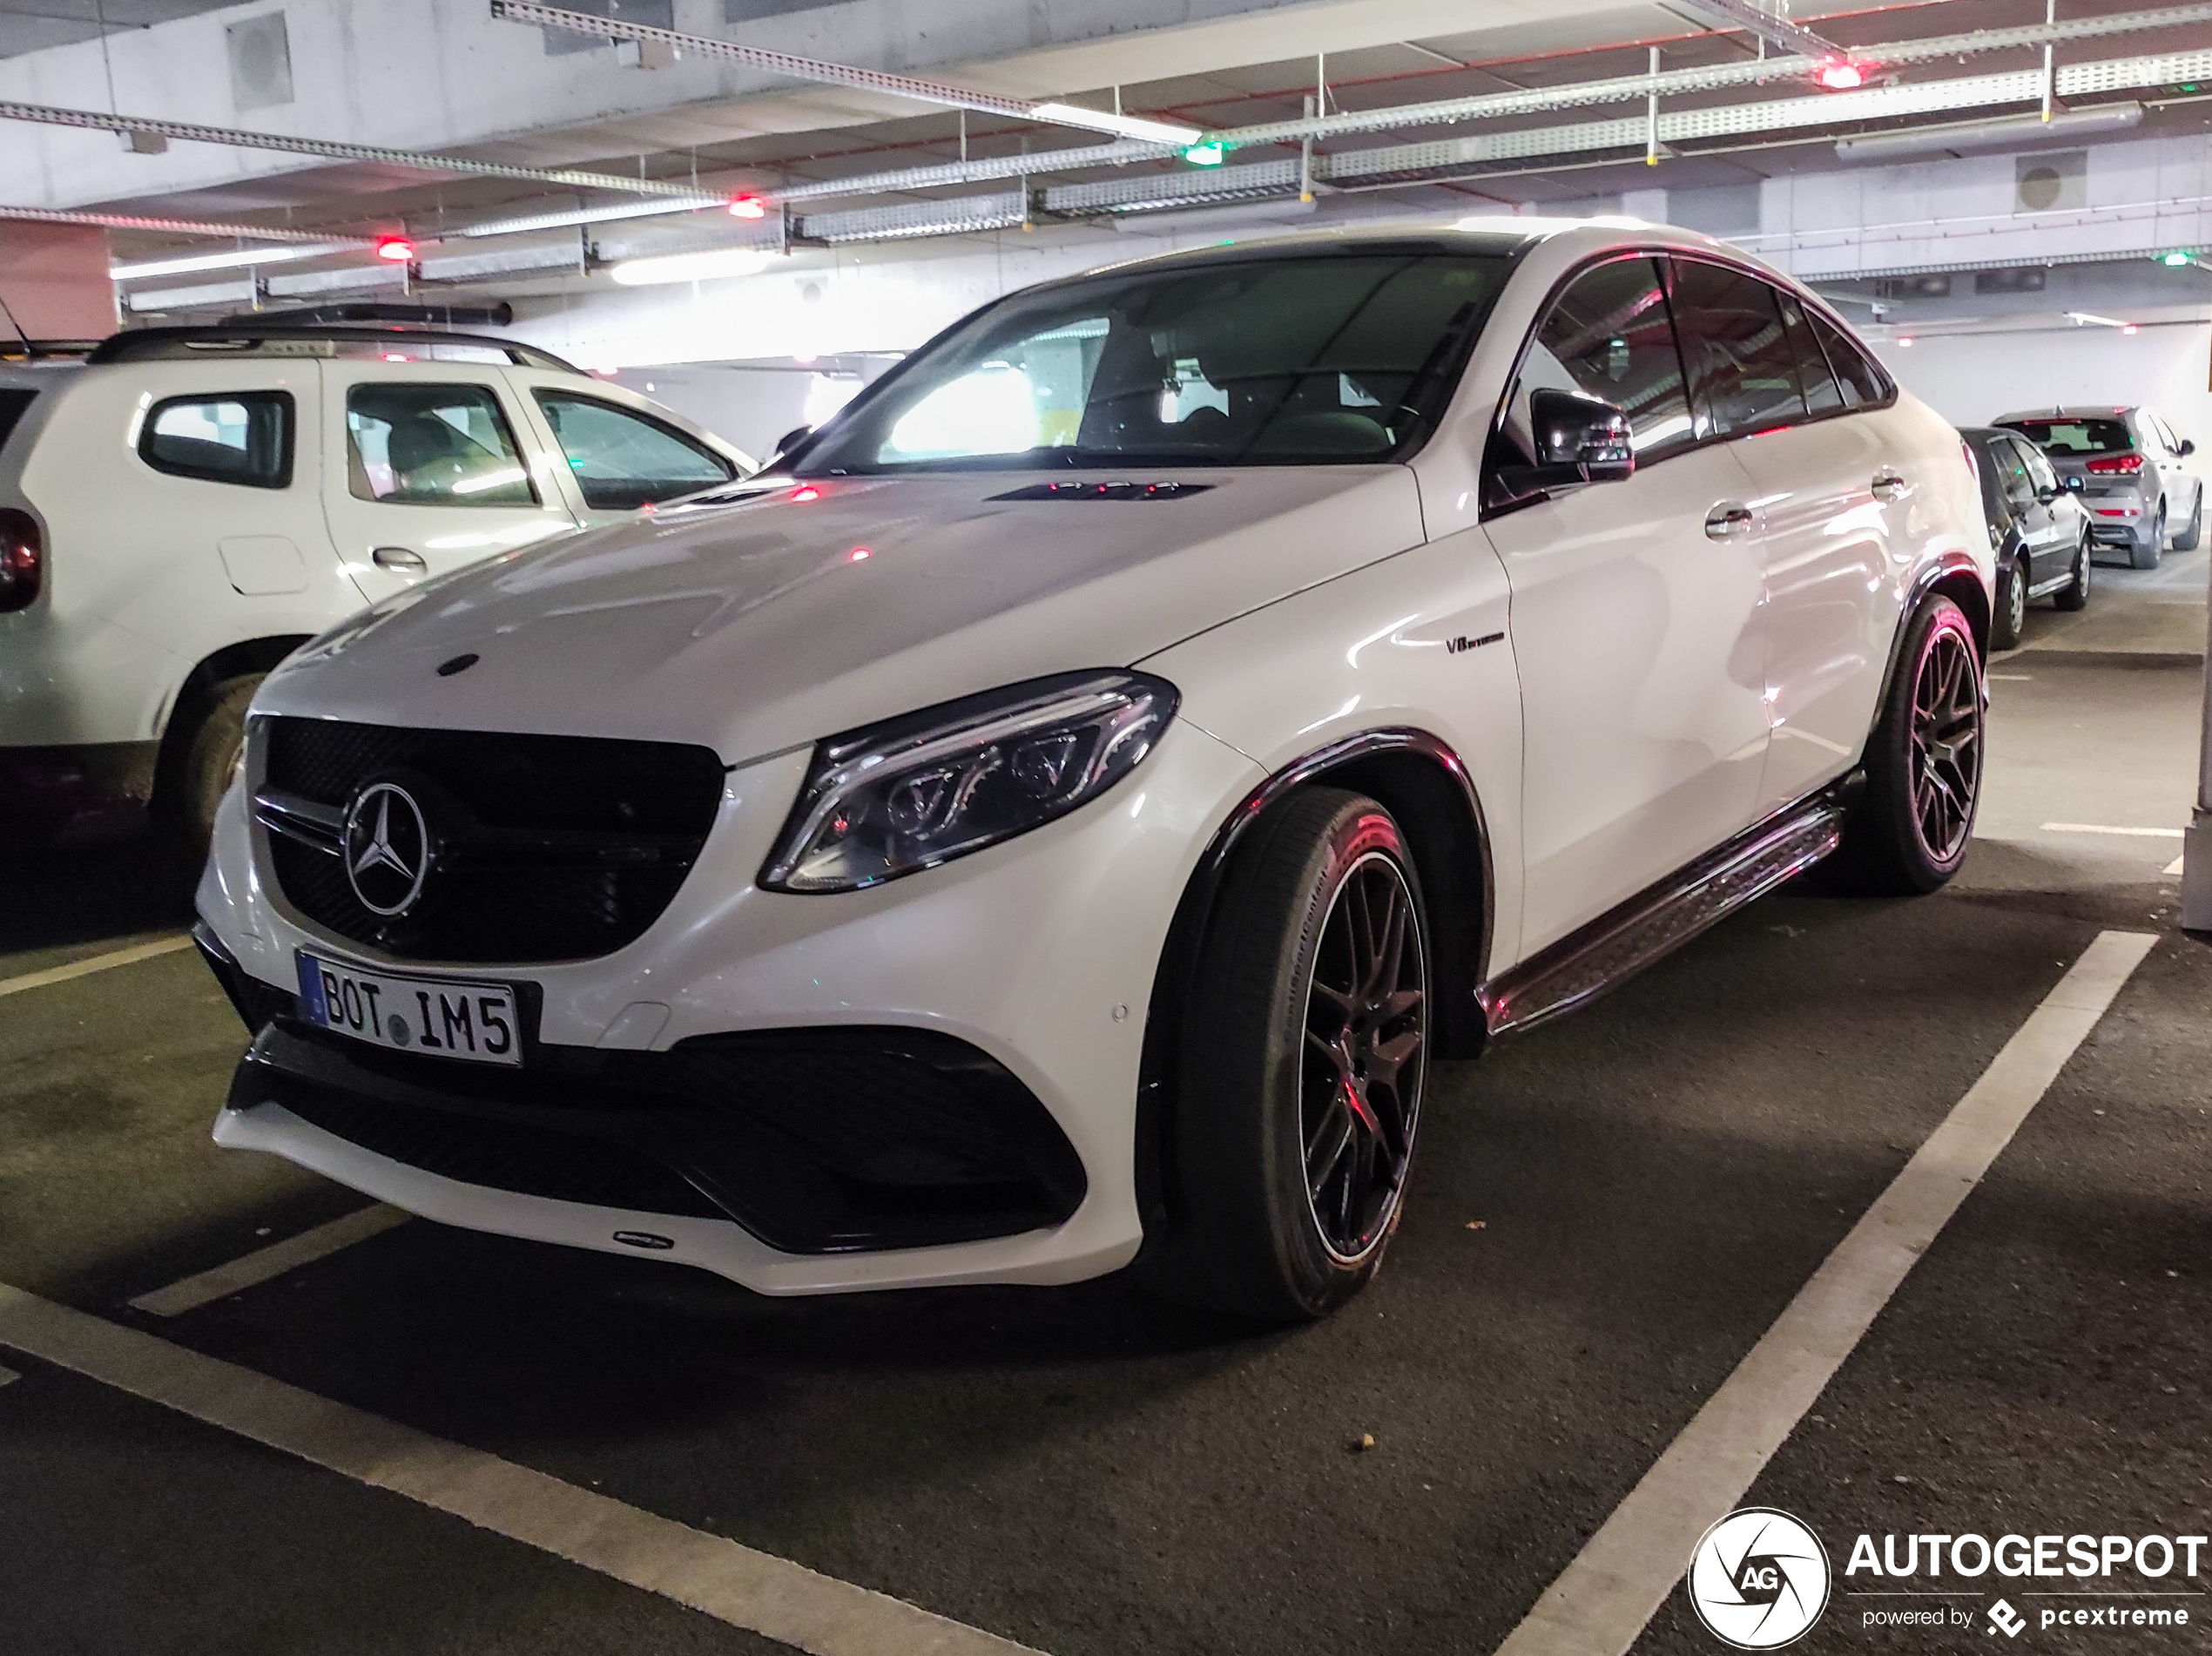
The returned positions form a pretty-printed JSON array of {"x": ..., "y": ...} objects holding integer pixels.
[{"x": 549, "y": 847}]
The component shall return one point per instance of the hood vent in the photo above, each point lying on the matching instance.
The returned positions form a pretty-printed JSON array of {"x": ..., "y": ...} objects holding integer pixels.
[{"x": 1105, "y": 491}]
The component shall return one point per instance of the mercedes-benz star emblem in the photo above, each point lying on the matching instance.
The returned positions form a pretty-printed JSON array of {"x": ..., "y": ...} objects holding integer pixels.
[{"x": 388, "y": 849}]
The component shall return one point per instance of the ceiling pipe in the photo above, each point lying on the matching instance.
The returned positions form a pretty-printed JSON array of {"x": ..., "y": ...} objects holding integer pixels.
[
  {"x": 178, "y": 226},
  {"x": 2012, "y": 131},
  {"x": 237, "y": 138},
  {"x": 942, "y": 93}
]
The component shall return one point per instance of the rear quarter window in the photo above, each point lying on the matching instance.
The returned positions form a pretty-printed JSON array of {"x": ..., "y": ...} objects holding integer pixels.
[
  {"x": 242, "y": 437},
  {"x": 14, "y": 402}
]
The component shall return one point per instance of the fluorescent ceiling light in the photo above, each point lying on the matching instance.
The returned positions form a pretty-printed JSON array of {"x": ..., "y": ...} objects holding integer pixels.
[
  {"x": 2006, "y": 133},
  {"x": 590, "y": 215},
  {"x": 231, "y": 260},
  {"x": 1135, "y": 126},
  {"x": 692, "y": 267}
]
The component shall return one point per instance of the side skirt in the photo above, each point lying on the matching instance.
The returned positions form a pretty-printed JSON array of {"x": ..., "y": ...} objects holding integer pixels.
[{"x": 1617, "y": 944}]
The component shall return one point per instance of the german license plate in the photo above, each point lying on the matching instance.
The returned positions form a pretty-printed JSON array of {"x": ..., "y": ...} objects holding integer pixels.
[{"x": 434, "y": 1015}]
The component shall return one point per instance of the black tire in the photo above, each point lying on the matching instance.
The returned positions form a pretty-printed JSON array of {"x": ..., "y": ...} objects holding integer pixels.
[
  {"x": 2011, "y": 618},
  {"x": 2186, "y": 540},
  {"x": 1302, "y": 1063},
  {"x": 1907, "y": 830},
  {"x": 2074, "y": 595},
  {"x": 2145, "y": 554},
  {"x": 201, "y": 761}
]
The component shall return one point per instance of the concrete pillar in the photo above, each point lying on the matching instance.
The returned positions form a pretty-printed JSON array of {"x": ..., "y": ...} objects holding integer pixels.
[
  {"x": 2196, "y": 847},
  {"x": 54, "y": 280}
]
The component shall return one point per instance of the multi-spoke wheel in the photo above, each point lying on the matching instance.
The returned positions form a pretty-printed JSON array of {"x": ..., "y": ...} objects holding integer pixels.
[
  {"x": 2011, "y": 620},
  {"x": 2074, "y": 595},
  {"x": 1946, "y": 743},
  {"x": 1907, "y": 830},
  {"x": 1304, "y": 1049},
  {"x": 1365, "y": 1008}
]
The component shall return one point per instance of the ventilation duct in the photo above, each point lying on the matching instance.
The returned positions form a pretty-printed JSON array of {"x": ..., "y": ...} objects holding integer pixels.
[{"x": 2012, "y": 133}]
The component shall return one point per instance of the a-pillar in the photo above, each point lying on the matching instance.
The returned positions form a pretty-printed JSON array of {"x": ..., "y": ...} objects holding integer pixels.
[{"x": 54, "y": 282}]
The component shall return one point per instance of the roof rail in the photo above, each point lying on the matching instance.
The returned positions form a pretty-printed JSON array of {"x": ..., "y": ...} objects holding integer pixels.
[
  {"x": 20, "y": 350},
  {"x": 151, "y": 344}
]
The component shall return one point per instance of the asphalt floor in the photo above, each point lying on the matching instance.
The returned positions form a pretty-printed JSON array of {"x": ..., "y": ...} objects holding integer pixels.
[{"x": 1607, "y": 1213}]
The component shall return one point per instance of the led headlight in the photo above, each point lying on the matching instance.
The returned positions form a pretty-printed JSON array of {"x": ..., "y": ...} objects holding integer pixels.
[{"x": 938, "y": 784}]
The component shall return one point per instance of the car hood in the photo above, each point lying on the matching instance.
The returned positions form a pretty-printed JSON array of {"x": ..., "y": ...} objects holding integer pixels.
[{"x": 763, "y": 619}]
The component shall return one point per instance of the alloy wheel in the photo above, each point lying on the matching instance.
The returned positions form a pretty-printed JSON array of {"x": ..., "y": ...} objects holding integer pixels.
[
  {"x": 1947, "y": 744},
  {"x": 1364, "y": 1057},
  {"x": 2016, "y": 599}
]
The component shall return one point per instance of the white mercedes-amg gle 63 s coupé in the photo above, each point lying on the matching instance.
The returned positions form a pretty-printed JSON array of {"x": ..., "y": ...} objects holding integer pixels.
[{"x": 1054, "y": 817}]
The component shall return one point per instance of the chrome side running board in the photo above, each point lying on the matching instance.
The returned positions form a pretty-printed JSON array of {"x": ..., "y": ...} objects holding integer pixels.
[{"x": 1617, "y": 944}]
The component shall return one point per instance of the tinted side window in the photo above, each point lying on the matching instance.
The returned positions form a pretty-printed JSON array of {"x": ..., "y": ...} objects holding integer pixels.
[
  {"x": 229, "y": 436},
  {"x": 14, "y": 402},
  {"x": 1814, "y": 375},
  {"x": 2163, "y": 432},
  {"x": 2039, "y": 470},
  {"x": 621, "y": 459},
  {"x": 1743, "y": 376},
  {"x": 433, "y": 445},
  {"x": 1608, "y": 336},
  {"x": 2013, "y": 475},
  {"x": 1863, "y": 382}
]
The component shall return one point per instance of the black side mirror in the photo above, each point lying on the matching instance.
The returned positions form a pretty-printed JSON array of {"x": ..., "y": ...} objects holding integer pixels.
[
  {"x": 1579, "y": 439},
  {"x": 790, "y": 439},
  {"x": 2187, "y": 447},
  {"x": 2046, "y": 493}
]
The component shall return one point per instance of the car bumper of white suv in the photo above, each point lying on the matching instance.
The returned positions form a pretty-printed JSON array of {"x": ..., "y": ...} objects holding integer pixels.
[{"x": 934, "y": 1080}]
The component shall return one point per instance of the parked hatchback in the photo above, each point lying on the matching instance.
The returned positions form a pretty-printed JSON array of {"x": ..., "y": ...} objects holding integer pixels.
[
  {"x": 2135, "y": 475},
  {"x": 1058, "y": 816},
  {"x": 189, "y": 505},
  {"x": 2037, "y": 527}
]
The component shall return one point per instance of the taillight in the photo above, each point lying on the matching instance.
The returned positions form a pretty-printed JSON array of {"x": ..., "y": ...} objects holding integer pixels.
[
  {"x": 1973, "y": 466},
  {"x": 2126, "y": 465},
  {"x": 23, "y": 559}
]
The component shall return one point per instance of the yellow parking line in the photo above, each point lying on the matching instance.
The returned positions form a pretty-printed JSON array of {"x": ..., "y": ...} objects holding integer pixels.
[{"x": 128, "y": 956}]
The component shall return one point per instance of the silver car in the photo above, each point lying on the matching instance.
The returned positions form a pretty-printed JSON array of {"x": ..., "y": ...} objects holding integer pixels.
[{"x": 2132, "y": 473}]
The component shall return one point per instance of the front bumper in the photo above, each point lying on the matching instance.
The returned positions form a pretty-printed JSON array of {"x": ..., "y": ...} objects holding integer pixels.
[{"x": 1026, "y": 968}]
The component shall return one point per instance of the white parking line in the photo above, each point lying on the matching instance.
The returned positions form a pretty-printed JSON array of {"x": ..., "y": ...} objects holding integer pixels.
[
  {"x": 1600, "y": 1601},
  {"x": 2174, "y": 867},
  {"x": 2095, "y": 828},
  {"x": 273, "y": 1260},
  {"x": 128, "y": 956},
  {"x": 754, "y": 1590},
  {"x": 7, "y": 1374}
]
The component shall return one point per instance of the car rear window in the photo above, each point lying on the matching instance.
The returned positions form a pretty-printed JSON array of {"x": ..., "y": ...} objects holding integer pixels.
[
  {"x": 2077, "y": 437},
  {"x": 15, "y": 401}
]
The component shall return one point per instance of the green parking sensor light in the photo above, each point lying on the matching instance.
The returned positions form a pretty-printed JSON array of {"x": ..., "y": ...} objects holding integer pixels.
[
  {"x": 2174, "y": 260},
  {"x": 1207, "y": 154}
]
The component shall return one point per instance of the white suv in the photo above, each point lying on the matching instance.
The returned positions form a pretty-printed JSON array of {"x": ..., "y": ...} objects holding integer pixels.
[
  {"x": 1057, "y": 812},
  {"x": 189, "y": 505}
]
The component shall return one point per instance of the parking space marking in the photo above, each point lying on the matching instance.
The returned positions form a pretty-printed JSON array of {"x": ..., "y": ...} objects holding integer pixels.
[
  {"x": 1615, "y": 1585},
  {"x": 7, "y": 1374},
  {"x": 2174, "y": 867},
  {"x": 754, "y": 1590},
  {"x": 273, "y": 1260},
  {"x": 129, "y": 957},
  {"x": 2093, "y": 828}
]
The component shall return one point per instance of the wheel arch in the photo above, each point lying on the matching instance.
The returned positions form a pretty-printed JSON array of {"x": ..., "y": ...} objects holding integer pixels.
[
  {"x": 248, "y": 655},
  {"x": 1421, "y": 780}
]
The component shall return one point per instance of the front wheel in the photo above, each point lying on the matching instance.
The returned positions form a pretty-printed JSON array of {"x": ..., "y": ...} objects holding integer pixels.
[
  {"x": 2074, "y": 595},
  {"x": 2187, "y": 539},
  {"x": 1303, "y": 1061},
  {"x": 1907, "y": 831},
  {"x": 204, "y": 761},
  {"x": 2011, "y": 620}
]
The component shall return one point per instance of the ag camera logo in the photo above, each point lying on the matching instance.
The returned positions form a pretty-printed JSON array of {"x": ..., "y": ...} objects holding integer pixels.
[{"x": 1758, "y": 1578}]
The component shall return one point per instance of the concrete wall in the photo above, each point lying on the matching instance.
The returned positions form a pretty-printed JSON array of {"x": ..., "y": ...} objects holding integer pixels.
[{"x": 1970, "y": 379}]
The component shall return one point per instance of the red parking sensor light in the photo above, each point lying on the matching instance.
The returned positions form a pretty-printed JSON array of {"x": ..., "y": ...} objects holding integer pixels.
[
  {"x": 748, "y": 206},
  {"x": 1840, "y": 75},
  {"x": 398, "y": 249}
]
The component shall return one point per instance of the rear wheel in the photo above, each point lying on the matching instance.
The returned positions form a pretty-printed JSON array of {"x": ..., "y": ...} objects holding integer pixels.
[
  {"x": 2145, "y": 554},
  {"x": 2011, "y": 620},
  {"x": 204, "y": 759},
  {"x": 1303, "y": 1061},
  {"x": 2074, "y": 595},
  {"x": 1907, "y": 831},
  {"x": 2186, "y": 540}
]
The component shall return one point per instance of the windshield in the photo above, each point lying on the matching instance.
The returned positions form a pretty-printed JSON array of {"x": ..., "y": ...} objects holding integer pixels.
[
  {"x": 2077, "y": 437},
  {"x": 1335, "y": 358}
]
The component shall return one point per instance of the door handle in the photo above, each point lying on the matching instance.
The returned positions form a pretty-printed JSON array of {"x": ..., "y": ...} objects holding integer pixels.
[
  {"x": 1888, "y": 484},
  {"x": 398, "y": 560},
  {"x": 1727, "y": 519}
]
